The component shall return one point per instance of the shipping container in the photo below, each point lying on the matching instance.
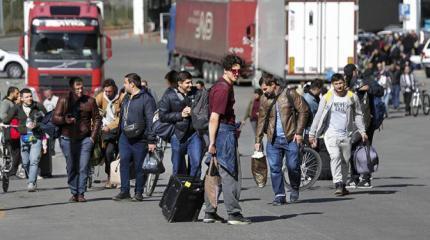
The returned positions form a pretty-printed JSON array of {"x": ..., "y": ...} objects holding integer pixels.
[
  {"x": 306, "y": 39},
  {"x": 207, "y": 30}
]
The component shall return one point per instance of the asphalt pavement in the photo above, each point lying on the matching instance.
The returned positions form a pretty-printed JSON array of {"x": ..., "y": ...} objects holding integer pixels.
[{"x": 398, "y": 207}]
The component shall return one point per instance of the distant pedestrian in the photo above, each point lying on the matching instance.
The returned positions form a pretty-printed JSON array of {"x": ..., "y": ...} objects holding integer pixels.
[
  {"x": 200, "y": 85},
  {"x": 252, "y": 109},
  {"x": 408, "y": 84},
  {"x": 145, "y": 85},
  {"x": 383, "y": 78},
  {"x": 395, "y": 72},
  {"x": 50, "y": 101}
]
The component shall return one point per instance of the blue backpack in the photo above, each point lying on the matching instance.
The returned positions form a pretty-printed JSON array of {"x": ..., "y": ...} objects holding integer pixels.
[
  {"x": 49, "y": 127},
  {"x": 378, "y": 112}
]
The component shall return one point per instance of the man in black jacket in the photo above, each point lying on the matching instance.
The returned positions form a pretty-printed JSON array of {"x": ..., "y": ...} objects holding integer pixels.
[
  {"x": 136, "y": 135},
  {"x": 175, "y": 108},
  {"x": 367, "y": 89},
  {"x": 29, "y": 114}
]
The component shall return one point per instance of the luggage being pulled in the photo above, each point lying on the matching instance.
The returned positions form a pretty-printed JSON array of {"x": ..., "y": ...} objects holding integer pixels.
[{"x": 182, "y": 199}]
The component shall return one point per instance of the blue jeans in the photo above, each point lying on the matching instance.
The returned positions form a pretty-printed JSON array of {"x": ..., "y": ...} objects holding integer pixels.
[
  {"x": 395, "y": 95},
  {"x": 77, "y": 154},
  {"x": 193, "y": 146},
  {"x": 30, "y": 155},
  {"x": 131, "y": 150},
  {"x": 275, "y": 154}
]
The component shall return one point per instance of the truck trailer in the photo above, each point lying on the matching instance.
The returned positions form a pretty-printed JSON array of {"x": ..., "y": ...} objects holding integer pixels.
[
  {"x": 306, "y": 39},
  {"x": 202, "y": 32},
  {"x": 63, "y": 40}
]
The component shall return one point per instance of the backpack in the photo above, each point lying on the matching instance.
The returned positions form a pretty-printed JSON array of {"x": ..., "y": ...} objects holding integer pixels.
[
  {"x": 14, "y": 134},
  {"x": 49, "y": 127},
  {"x": 163, "y": 130},
  {"x": 378, "y": 112},
  {"x": 365, "y": 159},
  {"x": 200, "y": 110}
]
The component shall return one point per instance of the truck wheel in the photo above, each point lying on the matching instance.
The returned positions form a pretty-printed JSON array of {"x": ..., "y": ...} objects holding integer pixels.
[
  {"x": 14, "y": 70},
  {"x": 217, "y": 72},
  {"x": 211, "y": 71},
  {"x": 428, "y": 72},
  {"x": 205, "y": 69}
]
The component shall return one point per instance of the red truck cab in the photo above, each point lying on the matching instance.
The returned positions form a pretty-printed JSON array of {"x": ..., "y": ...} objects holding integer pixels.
[{"x": 63, "y": 40}]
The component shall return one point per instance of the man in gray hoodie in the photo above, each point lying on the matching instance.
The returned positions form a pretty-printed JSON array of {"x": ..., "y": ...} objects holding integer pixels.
[{"x": 339, "y": 114}]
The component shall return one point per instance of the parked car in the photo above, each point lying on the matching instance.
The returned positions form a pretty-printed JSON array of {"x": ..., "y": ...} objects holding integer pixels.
[{"x": 12, "y": 64}]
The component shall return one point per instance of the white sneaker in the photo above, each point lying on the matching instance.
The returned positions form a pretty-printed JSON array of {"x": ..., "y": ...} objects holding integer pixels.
[{"x": 31, "y": 187}]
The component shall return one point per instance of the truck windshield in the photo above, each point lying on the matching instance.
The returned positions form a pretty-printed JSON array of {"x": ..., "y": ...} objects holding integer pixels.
[{"x": 65, "y": 46}]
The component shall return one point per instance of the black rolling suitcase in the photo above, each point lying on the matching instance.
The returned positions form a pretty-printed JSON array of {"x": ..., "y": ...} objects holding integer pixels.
[{"x": 182, "y": 199}]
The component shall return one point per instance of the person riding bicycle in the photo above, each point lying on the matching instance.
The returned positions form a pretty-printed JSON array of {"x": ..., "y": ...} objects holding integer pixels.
[
  {"x": 30, "y": 114},
  {"x": 284, "y": 128}
]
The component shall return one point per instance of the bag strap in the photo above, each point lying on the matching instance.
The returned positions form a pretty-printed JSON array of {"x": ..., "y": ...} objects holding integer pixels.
[{"x": 266, "y": 119}]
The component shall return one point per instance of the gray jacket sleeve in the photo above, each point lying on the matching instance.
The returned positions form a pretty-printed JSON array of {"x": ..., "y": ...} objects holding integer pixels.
[
  {"x": 358, "y": 115},
  {"x": 4, "y": 109},
  {"x": 317, "y": 117}
]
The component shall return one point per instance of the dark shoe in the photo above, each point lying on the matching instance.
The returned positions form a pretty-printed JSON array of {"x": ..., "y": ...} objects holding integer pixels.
[
  {"x": 351, "y": 183},
  {"x": 138, "y": 197},
  {"x": 294, "y": 196},
  {"x": 278, "y": 201},
  {"x": 122, "y": 196},
  {"x": 212, "y": 218},
  {"x": 339, "y": 189},
  {"x": 81, "y": 198},
  {"x": 344, "y": 191},
  {"x": 238, "y": 219},
  {"x": 366, "y": 184},
  {"x": 73, "y": 198}
]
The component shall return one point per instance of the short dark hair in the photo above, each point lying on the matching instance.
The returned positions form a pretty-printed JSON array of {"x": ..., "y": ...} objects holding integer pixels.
[
  {"x": 135, "y": 79},
  {"x": 184, "y": 75},
  {"x": 172, "y": 77},
  {"x": 109, "y": 82},
  {"x": 268, "y": 79},
  {"x": 316, "y": 84},
  {"x": 337, "y": 77},
  {"x": 75, "y": 80},
  {"x": 258, "y": 91},
  {"x": 11, "y": 90},
  {"x": 200, "y": 82},
  {"x": 25, "y": 90},
  {"x": 230, "y": 60}
]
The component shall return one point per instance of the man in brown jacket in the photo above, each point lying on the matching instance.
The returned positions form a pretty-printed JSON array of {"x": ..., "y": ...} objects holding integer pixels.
[
  {"x": 80, "y": 122},
  {"x": 282, "y": 116},
  {"x": 109, "y": 104}
]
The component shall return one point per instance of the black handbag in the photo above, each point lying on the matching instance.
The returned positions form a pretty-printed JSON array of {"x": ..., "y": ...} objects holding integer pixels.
[{"x": 134, "y": 130}]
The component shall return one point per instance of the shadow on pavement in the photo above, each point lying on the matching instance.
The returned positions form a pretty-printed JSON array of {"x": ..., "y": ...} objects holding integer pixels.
[
  {"x": 395, "y": 177},
  {"x": 323, "y": 200},
  {"x": 259, "y": 219},
  {"x": 36, "y": 206},
  {"x": 373, "y": 192},
  {"x": 400, "y": 185}
]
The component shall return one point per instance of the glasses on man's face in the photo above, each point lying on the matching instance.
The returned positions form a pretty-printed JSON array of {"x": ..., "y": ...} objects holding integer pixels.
[{"x": 235, "y": 71}]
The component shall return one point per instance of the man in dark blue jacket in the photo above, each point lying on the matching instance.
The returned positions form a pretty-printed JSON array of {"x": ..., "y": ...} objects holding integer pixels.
[
  {"x": 136, "y": 135},
  {"x": 175, "y": 108}
]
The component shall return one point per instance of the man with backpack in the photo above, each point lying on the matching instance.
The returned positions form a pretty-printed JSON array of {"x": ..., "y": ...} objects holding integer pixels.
[
  {"x": 282, "y": 116},
  {"x": 312, "y": 98},
  {"x": 78, "y": 116},
  {"x": 11, "y": 134},
  {"x": 30, "y": 114},
  {"x": 223, "y": 142},
  {"x": 175, "y": 108},
  {"x": 370, "y": 95},
  {"x": 339, "y": 112}
]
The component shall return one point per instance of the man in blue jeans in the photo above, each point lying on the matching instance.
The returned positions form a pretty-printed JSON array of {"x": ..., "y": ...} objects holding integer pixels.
[
  {"x": 30, "y": 114},
  {"x": 282, "y": 116},
  {"x": 136, "y": 135},
  {"x": 175, "y": 108},
  {"x": 80, "y": 121}
]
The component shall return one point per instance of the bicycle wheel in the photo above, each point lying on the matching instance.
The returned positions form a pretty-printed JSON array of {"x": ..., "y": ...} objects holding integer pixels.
[
  {"x": 151, "y": 182},
  {"x": 310, "y": 167},
  {"x": 5, "y": 182},
  {"x": 426, "y": 104},
  {"x": 415, "y": 105}
]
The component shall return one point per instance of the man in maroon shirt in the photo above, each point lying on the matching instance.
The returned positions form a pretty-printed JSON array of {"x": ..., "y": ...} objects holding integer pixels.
[{"x": 223, "y": 142}]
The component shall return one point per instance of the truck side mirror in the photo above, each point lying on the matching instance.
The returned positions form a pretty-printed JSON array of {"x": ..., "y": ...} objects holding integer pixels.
[
  {"x": 108, "y": 47},
  {"x": 21, "y": 46}
]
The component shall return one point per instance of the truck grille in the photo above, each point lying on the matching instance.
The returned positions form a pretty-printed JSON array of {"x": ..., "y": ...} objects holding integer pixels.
[{"x": 60, "y": 82}]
